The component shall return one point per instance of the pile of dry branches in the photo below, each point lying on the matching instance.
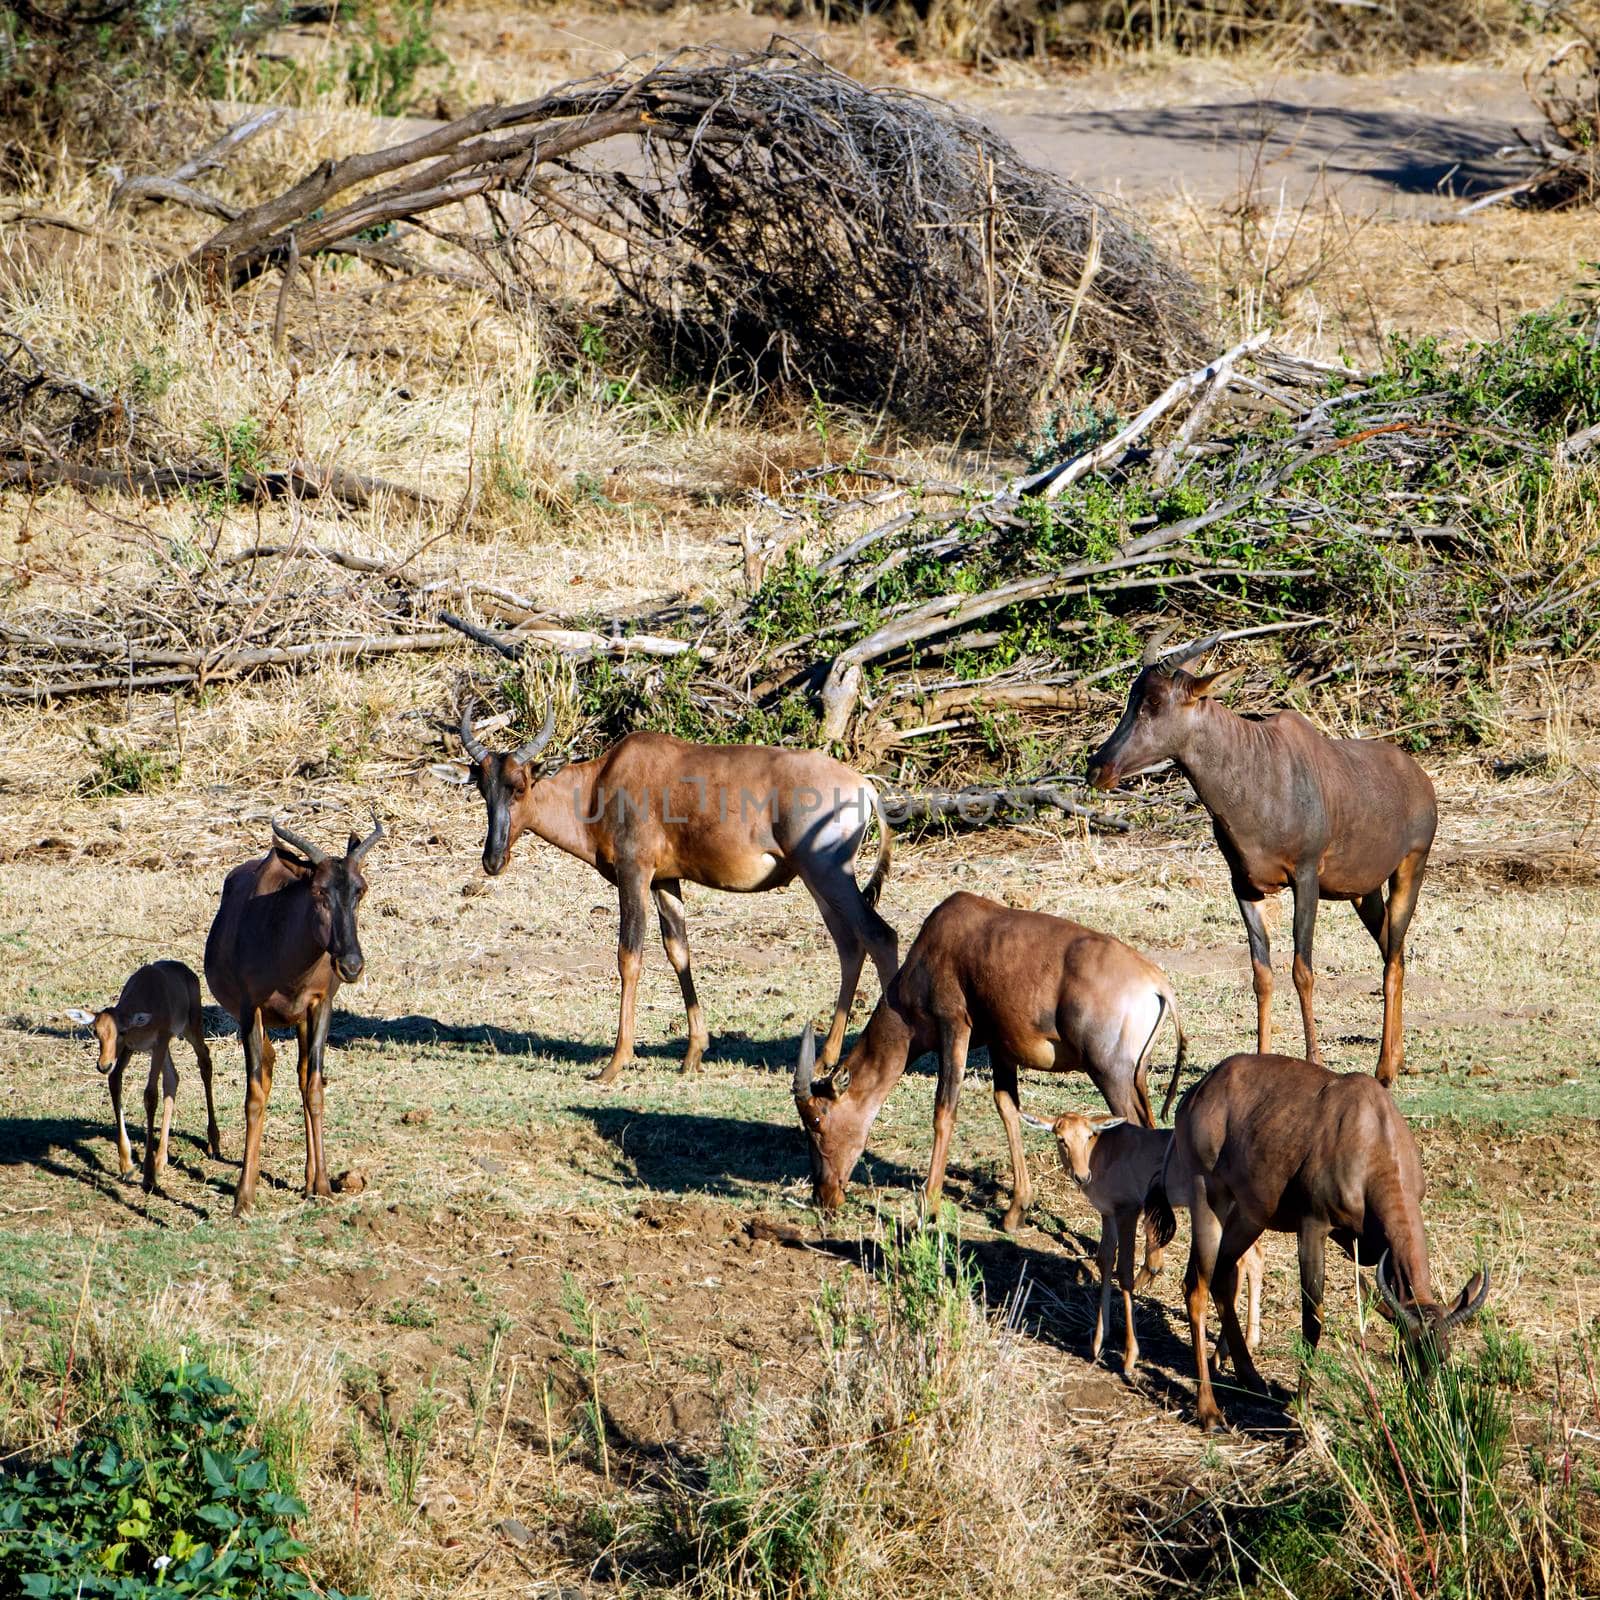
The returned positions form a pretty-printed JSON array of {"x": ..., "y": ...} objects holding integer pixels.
[{"x": 766, "y": 213}]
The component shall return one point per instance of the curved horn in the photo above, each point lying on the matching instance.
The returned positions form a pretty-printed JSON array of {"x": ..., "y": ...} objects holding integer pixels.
[
  {"x": 354, "y": 857},
  {"x": 525, "y": 753},
  {"x": 1192, "y": 652},
  {"x": 1469, "y": 1304},
  {"x": 469, "y": 741},
  {"x": 310, "y": 851},
  {"x": 1403, "y": 1313},
  {"x": 805, "y": 1068},
  {"x": 1158, "y": 643}
]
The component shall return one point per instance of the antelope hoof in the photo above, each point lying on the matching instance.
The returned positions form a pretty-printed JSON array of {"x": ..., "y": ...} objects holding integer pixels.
[
  {"x": 609, "y": 1075},
  {"x": 214, "y": 1145},
  {"x": 691, "y": 1062},
  {"x": 1210, "y": 1420},
  {"x": 1012, "y": 1220}
]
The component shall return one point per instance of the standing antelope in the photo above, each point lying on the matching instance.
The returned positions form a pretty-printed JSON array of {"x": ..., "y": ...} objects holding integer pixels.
[
  {"x": 1114, "y": 1163},
  {"x": 1039, "y": 991},
  {"x": 283, "y": 941},
  {"x": 1329, "y": 819},
  {"x": 159, "y": 1003},
  {"x": 653, "y": 811},
  {"x": 1270, "y": 1142}
]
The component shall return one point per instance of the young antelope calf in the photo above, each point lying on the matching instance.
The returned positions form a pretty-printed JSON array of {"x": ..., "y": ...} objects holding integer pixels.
[
  {"x": 1039, "y": 991},
  {"x": 1114, "y": 1163},
  {"x": 159, "y": 1003},
  {"x": 1273, "y": 1142}
]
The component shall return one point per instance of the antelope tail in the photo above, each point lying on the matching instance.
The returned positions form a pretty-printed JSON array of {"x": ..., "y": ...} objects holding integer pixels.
[
  {"x": 1177, "y": 1065},
  {"x": 1159, "y": 1222},
  {"x": 880, "y": 868}
]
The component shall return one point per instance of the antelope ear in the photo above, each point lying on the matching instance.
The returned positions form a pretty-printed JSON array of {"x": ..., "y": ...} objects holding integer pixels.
[
  {"x": 450, "y": 772},
  {"x": 1108, "y": 1125},
  {"x": 1215, "y": 683},
  {"x": 1037, "y": 1122},
  {"x": 84, "y": 1019},
  {"x": 140, "y": 1019}
]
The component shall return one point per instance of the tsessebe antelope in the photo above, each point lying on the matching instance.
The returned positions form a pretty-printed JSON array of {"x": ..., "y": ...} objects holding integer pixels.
[
  {"x": 1039, "y": 991},
  {"x": 283, "y": 941},
  {"x": 1113, "y": 1163},
  {"x": 1329, "y": 819},
  {"x": 159, "y": 1003},
  {"x": 1272, "y": 1142},
  {"x": 654, "y": 811}
]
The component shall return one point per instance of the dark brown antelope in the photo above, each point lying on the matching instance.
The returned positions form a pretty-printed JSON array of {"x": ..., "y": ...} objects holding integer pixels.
[
  {"x": 159, "y": 1003},
  {"x": 1039, "y": 991},
  {"x": 283, "y": 941},
  {"x": 1328, "y": 819},
  {"x": 1271, "y": 1142},
  {"x": 654, "y": 811},
  {"x": 1114, "y": 1163}
]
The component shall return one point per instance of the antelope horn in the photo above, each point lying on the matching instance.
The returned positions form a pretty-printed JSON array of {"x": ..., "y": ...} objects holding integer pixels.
[
  {"x": 1403, "y": 1314},
  {"x": 1158, "y": 643},
  {"x": 354, "y": 857},
  {"x": 1469, "y": 1304},
  {"x": 310, "y": 851},
  {"x": 523, "y": 754},
  {"x": 1192, "y": 652},
  {"x": 805, "y": 1068},
  {"x": 469, "y": 741}
]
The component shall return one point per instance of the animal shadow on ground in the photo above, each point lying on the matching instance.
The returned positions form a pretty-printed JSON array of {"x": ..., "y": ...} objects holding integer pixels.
[
  {"x": 682, "y": 1152},
  {"x": 727, "y": 1049},
  {"x": 82, "y": 1150}
]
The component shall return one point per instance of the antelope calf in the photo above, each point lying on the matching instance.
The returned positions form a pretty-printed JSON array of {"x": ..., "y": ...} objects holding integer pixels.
[
  {"x": 1328, "y": 819},
  {"x": 159, "y": 1003},
  {"x": 1270, "y": 1142},
  {"x": 1114, "y": 1163},
  {"x": 283, "y": 940},
  {"x": 654, "y": 811},
  {"x": 1038, "y": 990}
]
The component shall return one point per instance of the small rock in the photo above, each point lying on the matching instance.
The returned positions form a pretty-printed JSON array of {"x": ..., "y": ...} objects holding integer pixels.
[
  {"x": 488, "y": 1164},
  {"x": 516, "y": 1532},
  {"x": 417, "y": 1117},
  {"x": 349, "y": 1183}
]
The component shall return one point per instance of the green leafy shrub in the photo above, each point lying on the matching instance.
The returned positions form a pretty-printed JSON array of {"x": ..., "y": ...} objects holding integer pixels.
[{"x": 166, "y": 1495}]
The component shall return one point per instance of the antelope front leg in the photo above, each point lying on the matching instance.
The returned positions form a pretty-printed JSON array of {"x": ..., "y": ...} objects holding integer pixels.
[
  {"x": 1313, "y": 1253},
  {"x": 119, "y": 1127},
  {"x": 1106, "y": 1261},
  {"x": 1404, "y": 887},
  {"x": 1305, "y": 927},
  {"x": 633, "y": 893},
  {"x": 675, "y": 941},
  {"x": 155, "y": 1152},
  {"x": 1260, "y": 970},
  {"x": 1127, "y": 1222},
  {"x": 316, "y": 1162},
  {"x": 258, "y": 1059},
  {"x": 953, "y": 1041},
  {"x": 202, "y": 1056},
  {"x": 1007, "y": 1104}
]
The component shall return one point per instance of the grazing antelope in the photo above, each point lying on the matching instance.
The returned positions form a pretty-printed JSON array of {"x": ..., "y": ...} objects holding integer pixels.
[
  {"x": 1329, "y": 819},
  {"x": 1039, "y": 991},
  {"x": 1114, "y": 1163},
  {"x": 1270, "y": 1142},
  {"x": 654, "y": 811},
  {"x": 159, "y": 1003},
  {"x": 283, "y": 941}
]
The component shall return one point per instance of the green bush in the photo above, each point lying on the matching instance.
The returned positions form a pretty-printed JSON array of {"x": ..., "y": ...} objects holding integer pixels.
[{"x": 166, "y": 1495}]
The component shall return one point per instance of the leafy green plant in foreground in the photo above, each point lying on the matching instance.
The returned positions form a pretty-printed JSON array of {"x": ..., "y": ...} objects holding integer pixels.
[{"x": 167, "y": 1495}]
